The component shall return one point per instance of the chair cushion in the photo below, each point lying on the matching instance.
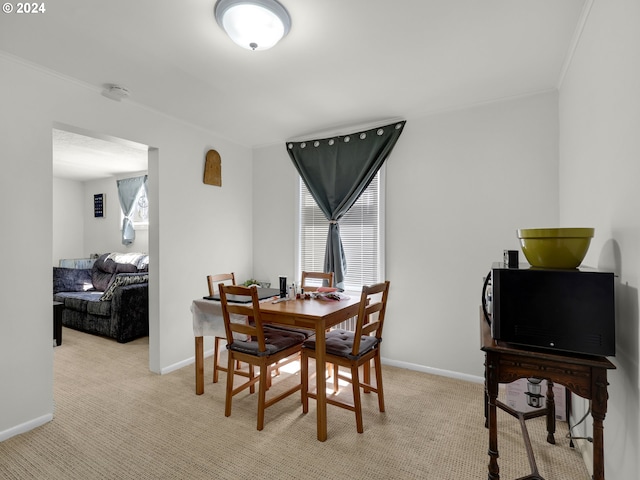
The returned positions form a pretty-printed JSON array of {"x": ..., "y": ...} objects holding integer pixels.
[
  {"x": 275, "y": 341},
  {"x": 340, "y": 343}
]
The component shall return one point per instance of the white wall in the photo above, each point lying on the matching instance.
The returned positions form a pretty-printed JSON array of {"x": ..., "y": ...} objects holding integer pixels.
[
  {"x": 274, "y": 214},
  {"x": 68, "y": 219},
  {"x": 77, "y": 233},
  {"x": 599, "y": 187},
  {"x": 459, "y": 185},
  {"x": 195, "y": 228}
]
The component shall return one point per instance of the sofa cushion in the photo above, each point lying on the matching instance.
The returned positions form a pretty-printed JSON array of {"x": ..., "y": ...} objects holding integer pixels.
[
  {"x": 71, "y": 279},
  {"x": 79, "y": 301},
  {"x": 102, "y": 309},
  {"x": 123, "y": 279}
]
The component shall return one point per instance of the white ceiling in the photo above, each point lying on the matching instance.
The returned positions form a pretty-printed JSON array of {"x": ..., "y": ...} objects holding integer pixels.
[
  {"x": 344, "y": 62},
  {"x": 82, "y": 158}
]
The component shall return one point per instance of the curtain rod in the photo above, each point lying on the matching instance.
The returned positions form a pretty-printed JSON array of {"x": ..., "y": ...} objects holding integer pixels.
[{"x": 342, "y": 131}]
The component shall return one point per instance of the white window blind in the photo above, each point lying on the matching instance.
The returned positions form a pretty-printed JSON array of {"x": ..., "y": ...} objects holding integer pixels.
[{"x": 361, "y": 232}]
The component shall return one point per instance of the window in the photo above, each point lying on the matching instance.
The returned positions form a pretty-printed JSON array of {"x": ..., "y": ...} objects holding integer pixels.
[
  {"x": 361, "y": 230},
  {"x": 140, "y": 215}
]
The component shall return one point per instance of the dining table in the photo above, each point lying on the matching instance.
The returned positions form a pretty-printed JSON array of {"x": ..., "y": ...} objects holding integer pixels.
[{"x": 313, "y": 314}]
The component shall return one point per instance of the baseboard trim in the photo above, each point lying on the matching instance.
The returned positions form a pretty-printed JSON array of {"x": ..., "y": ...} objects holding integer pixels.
[
  {"x": 586, "y": 450},
  {"x": 433, "y": 371},
  {"x": 25, "y": 427},
  {"x": 184, "y": 363},
  {"x": 385, "y": 361}
]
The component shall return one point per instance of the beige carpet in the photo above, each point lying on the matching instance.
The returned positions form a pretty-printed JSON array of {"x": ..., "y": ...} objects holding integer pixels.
[{"x": 116, "y": 420}]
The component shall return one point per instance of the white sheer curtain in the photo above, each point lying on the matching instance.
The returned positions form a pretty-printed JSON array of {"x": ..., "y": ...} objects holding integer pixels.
[{"x": 128, "y": 189}]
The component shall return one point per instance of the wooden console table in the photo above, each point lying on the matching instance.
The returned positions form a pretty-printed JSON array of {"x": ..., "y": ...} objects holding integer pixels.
[{"x": 584, "y": 375}]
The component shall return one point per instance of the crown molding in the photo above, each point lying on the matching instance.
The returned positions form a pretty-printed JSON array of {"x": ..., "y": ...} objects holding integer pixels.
[{"x": 575, "y": 41}]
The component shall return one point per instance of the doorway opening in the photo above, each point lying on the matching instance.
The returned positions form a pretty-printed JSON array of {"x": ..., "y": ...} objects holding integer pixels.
[{"x": 86, "y": 167}]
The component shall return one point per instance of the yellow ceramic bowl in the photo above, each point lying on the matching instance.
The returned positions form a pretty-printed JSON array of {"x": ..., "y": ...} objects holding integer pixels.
[{"x": 555, "y": 247}]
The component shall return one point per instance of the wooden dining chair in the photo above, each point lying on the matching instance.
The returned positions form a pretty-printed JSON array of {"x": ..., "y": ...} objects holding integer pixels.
[
  {"x": 322, "y": 279},
  {"x": 212, "y": 282},
  {"x": 309, "y": 288},
  {"x": 351, "y": 350},
  {"x": 257, "y": 345},
  {"x": 313, "y": 286}
]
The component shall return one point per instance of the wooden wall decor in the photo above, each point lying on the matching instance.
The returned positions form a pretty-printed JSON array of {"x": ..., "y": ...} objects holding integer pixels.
[{"x": 213, "y": 169}]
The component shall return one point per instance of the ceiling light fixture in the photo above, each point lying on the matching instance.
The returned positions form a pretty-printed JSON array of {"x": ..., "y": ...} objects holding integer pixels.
[{"x": 253, "y": 24}]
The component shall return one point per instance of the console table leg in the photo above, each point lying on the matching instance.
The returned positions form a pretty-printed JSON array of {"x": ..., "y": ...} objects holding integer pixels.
[
  {"x": 598, "y": 460},
  {"x": 492, "y": 397},
  {"x": 598, "y": 411},
  {"x": 494, "y": 469},
  {"x": 551, "y": 413},
  {"x": 486, "y": 398}
]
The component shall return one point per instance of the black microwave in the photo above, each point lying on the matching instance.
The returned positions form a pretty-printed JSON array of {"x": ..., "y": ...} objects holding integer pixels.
[{"x": 570, "y": 310}]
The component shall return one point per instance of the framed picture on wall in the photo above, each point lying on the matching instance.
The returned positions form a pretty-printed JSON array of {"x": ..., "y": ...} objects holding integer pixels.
[{"x": 98, "y": 205}]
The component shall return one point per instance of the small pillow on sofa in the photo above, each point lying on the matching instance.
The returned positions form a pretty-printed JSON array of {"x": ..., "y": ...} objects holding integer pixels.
[
  {"x": 122, "y": 280},
  {"x": 71, "y": 279},
  {"x": 126, "y": 268},
  {"x": 108, "y": 265},
  {"x": 101, "y": 274},
  {"x": 140, "y": 261}
]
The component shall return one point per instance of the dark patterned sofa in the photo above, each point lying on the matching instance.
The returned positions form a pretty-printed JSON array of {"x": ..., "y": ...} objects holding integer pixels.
[{"x": 110, "y": 299}]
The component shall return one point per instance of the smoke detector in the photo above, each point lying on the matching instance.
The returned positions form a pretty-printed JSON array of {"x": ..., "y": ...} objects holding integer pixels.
[{"x": 115, "y": 92}]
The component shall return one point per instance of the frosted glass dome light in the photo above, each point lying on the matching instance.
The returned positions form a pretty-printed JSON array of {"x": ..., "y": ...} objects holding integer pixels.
[{"x": 253, "y": 24}]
